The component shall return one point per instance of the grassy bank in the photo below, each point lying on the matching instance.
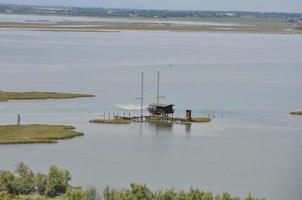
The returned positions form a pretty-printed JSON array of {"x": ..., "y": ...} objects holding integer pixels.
[
  {"x": 296, "y": 113},
  {"x": 194, "y": 120},
  {"x": 201, "y": 120},
  {"x": 29, "y": 134},
  {"x": 110, "y": 121},
  {"x": 5, "y": 96}
]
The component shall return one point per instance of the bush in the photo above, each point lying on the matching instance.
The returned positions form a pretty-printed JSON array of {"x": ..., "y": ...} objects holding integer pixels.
[
  {"x": 79, "y": 194},
  {"x": 74, "y": 194}
]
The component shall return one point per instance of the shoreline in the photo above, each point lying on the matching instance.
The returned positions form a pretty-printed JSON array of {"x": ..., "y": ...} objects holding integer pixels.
[
  {"x": 36, "y": 134},
  {"x": 107, "y": 26},
  {"x": 7, "y": 96}
]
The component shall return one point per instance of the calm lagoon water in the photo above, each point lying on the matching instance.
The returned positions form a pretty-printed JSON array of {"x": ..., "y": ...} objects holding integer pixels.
[{"x": 254, "y": 80}]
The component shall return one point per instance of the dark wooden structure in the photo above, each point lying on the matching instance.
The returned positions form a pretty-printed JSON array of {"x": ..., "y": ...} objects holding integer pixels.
[
  {"x": 188, "y": 115},
  {"x": 161, "y": 110}
]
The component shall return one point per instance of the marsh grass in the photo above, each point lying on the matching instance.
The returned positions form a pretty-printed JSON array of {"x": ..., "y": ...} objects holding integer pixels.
[
  {"x": 201, "y": 120},
  {"x": 36, "y": 133},
  {"x": 111, "y": 121},
  {"x": 296, "y": 113},
  {"x": 5, "y": 96}
]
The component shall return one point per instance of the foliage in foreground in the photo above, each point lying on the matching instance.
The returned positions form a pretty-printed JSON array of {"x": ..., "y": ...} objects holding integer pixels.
[
  {"x": 142, "y": 192},
  {"x": 23, "y": 184}
]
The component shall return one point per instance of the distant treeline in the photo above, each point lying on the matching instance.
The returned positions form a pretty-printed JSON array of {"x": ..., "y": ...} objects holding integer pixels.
[
  {"x": 24, "y": 184},
  {"x": 105, "y": 12}
]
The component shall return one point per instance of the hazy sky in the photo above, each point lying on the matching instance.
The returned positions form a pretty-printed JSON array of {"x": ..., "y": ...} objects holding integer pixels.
[{"x": 247, "y": 5}]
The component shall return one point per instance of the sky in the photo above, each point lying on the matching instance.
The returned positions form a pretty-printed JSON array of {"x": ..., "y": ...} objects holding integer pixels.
[{"x": 226, "y": 5}]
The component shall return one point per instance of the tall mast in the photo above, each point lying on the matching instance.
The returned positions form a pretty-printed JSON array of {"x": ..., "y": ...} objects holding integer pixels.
[
  {"x": 141, "y": 98},
  {"x": 157, "y": 97}
]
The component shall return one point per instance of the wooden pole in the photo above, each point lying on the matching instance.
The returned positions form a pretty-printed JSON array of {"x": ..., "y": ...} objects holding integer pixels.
[{"x": 18, "y": 120}]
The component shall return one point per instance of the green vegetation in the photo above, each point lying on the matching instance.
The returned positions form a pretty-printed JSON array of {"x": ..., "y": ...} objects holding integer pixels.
[
  {"x": 24, "y": 184},
  {"x": 296, "y": 113},
  {"x": 111, "y": 121},
  {"x": 194, "y": 120},
  {"x": 201, "y": 119},
  {"x": 139, "y": 192},
  {"x": 23, "y": 134},
  {"x": 5, "y": 96}
]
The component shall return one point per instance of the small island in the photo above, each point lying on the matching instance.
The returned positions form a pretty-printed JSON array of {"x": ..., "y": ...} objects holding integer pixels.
[
  {"x": 111, "y": 121},
  {"x": 152, "y": 119},
  {"x": 6, "y": 96},
  {"x": 36, "y": 133},
  {"x": 296, "y": 113},
  {"x": 201, "y": 120}
]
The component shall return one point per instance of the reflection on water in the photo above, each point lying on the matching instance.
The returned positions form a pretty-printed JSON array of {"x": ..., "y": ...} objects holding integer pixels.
[
  {"x": 157, "y": 126},
  {"x": 188, "y": 127}
]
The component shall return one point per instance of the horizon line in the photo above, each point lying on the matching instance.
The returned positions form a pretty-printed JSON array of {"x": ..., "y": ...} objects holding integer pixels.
[{"x": 156, "y": 9}]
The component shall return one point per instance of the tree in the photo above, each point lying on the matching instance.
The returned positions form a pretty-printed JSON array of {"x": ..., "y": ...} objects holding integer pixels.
[
  {"x": 218, "y": 197},
  {"x": 57, "y": 181},
  {"x": 91, "y": 193},
  {"x": 40, "y": 182},
  {"x": 226, "y": 196},
  {"x": 25, "y": 180},
  {"x": 108, "y": 193},
  {"x": 7, "y": 182},
  {"x": 138, "y": 192},
  {"x": 250, "y": 197}
]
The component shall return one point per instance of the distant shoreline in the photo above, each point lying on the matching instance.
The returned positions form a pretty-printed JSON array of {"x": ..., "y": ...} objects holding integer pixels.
[{"x": 160, "y": 24}]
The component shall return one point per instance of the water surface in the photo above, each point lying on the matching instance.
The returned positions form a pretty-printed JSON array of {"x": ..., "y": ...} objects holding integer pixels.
[{"x": 254, "y": 80}]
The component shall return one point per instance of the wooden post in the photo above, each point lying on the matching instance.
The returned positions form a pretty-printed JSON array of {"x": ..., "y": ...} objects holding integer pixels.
[{"x": 18, "y": 120}]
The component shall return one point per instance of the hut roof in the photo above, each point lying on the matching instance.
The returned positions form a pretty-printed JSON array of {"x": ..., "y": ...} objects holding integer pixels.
[{"x": 160, "y": 105}]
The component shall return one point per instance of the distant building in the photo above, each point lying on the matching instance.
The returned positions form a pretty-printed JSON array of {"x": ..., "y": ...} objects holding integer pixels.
[{"x": 161, "y": 110}]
